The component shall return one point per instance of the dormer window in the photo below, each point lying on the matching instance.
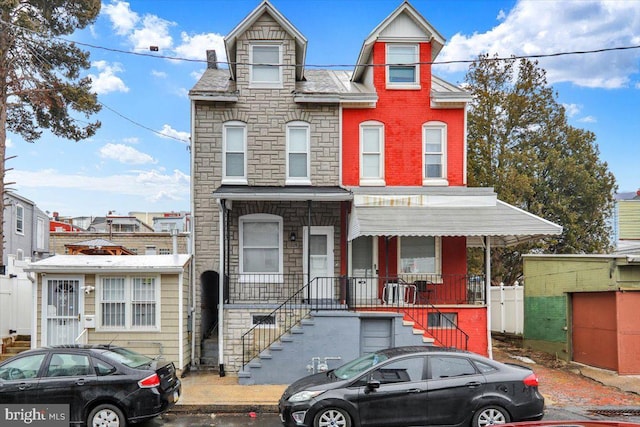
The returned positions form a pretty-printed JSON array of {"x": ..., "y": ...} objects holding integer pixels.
[
  {"x": 266, "y": 71},
  {"x": 402, "y": 66}
]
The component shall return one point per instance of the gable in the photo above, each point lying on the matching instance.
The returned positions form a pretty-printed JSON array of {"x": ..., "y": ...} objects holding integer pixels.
[{"x": 405, "y": 27}]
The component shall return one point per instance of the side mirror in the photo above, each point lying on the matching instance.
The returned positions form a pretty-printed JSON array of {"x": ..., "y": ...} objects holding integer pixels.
[{"x": 373, "y": 385}]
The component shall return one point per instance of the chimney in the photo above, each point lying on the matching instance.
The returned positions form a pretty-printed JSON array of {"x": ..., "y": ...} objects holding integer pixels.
[{"x": 212, "y": 59}]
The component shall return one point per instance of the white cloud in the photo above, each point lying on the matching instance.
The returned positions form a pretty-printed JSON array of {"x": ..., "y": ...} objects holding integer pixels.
[
  {"x": 125, "y": 154},
  {"x": 106, "y": 81},
  {"x": 561, "y": 26},
  {"x": 572, "y": 109},
  {"x": 159, "y": 74},
  {"x": 153, "y": 32},
  {"x": 196, "y": 46},
  {"x": 131, "y": 140},
  {"x": 122, "y": 18},
  {"x": 588, "y": 119},
  {"x": 501, "y": 15},
  {"x": 168, "y": 132}
]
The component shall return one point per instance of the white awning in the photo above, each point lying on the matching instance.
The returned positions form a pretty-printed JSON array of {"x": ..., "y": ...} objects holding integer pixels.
[{"x": 505, "y": 224}]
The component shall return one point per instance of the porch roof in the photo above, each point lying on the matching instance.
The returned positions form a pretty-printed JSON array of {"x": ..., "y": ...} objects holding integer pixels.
[
  {"x": 96, "y": 264},
  {"x": 505, "y": 224},
  {"x": 291, "y": 193}
]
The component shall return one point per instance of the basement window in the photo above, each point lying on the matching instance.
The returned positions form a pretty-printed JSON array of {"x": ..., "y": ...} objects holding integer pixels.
[{"x": 263, "y": 320}]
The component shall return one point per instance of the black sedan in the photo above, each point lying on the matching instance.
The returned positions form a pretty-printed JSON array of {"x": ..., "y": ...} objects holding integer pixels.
[
  {"x": 104, "y": 385},
  {"x": 414, "y": 386}
]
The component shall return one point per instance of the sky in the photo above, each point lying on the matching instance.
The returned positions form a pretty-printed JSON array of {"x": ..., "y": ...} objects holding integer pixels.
[{"x": 139, "y": 159}]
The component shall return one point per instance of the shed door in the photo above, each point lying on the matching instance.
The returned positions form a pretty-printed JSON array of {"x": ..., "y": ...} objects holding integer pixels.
[
  {"x": 375, "y": 334},
  {"x": 594, "y": 329}
]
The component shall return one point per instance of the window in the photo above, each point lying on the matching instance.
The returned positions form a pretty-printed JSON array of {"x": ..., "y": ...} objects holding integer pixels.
[
  {"x": 22, "y": 367},
  {"x": 442, "y": 320},
  {"x": 265, "y": 66},
  {"x": 434, "y": 137},
  {"x": 298, "y": 151},
  {"x": 447, "y": 367},
  {"x": 129, "y": 303},
  {"x": 261, "y": 244},
  {"x": 402, "y": 66},
  {"x": 68, "y": 365},
  {"x": 263, "y": 320},
  {"x": 371, "y": 154},
  {"x": 40, "y": 231},
  {"x": 234, "y": 162},
  {"x": 419, "y": 255},
  {"x": 19, "y": 219}
]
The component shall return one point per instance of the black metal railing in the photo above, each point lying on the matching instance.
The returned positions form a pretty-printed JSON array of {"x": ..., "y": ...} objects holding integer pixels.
[{"x": 415, "y": 300}]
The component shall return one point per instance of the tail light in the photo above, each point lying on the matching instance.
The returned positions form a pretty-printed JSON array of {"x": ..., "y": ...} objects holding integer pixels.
[
  {"x": 531, "y": 380},
  {"x": 152, "y": 380}
]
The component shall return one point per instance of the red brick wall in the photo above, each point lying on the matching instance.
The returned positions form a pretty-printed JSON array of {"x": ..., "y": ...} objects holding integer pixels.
[{"x": 403, "y": 112}]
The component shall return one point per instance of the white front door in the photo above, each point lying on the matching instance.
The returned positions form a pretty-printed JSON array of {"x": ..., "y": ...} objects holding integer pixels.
[
  {"x": 364, "y": 269},
  {"x": 62, "y": 308},
  {"x": 321, "y": 258}
]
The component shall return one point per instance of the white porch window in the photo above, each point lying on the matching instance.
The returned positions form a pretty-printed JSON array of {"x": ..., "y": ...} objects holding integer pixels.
[
  {"x": 265, "y": 62},
  {"x": 129, "y": 303},
  {"x": 419, "y": 255},
  {"x": 434, "y": 143},
  {"x": 372, "y": 153},
  {"x": 402, "y": 66},
  {"x": 234, "y": 159},
  {"x": 298, "y": 153},
  {"x": 261, "y": 244}
]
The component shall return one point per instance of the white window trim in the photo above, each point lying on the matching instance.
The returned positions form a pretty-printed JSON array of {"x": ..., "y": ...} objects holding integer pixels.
[
  {"x": 411, "y": 86},
  {"x": 438, "y": 256},
  {"x": 369, "y": 181},
  {"x": 240, "y": 180},
  {"x": 299, "y": 180},
  {"x": 253, "y": 84},
  {"x": 273, "y": 277},
  {"x": 19, "y": 208},
  {"x": 128, "y": 287},
  {"x": 442, "y": 180}
]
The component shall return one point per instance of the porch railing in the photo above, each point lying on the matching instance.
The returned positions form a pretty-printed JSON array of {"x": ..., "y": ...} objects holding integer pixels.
[{"x": 412, "y": 299}]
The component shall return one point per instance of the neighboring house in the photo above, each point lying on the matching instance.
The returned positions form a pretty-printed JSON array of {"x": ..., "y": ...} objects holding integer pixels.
[
  {"x": 96, "y": 247},
  {"x": 583, "y": 308},
  {"x": 334, "y": 204},
  {"x": 626, "y": 226},
  {"x": 118, "y": 224},
  {"x": 141, "y": 302},
  {"x": 172, "y": 222},
  {"x": 26, "y": 229}
]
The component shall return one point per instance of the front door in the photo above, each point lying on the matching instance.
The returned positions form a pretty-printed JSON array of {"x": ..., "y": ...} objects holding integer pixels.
[
  {"x": 364, "y": 270},
  {"x": 62, "y": 302},
  {"x": 321, "y": 259}
]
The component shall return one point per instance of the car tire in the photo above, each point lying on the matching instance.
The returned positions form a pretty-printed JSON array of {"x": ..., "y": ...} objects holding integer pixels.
[
  {"x": 332, "y": 417},
  {"x": 490, "y": 415},
  {"x": 106, "y": 415}
]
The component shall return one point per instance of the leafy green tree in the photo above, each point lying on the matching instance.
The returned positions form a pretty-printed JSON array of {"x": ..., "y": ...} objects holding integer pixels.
[
  {"x": 520, "y": 143},
  {"x": 40, "y": 82}
]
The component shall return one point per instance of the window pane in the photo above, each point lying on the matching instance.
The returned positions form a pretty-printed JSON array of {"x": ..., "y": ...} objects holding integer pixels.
[
  {"x": 113, "y": 314},
  {"x": 318, "y": 244},
  {"x": 298, "y": 139},
  {"x": 401, "y": 55},
  {"x": 260, "y": 234},
  {"x": 399, "y": 74},
  {"x": 113, "y": 289},
  {"x": 261, "y": 260},
  {"x": 433, "y": 167},
  {"x": 371, "y": 140},
  {"x": 235, "y": 139},
  {"x": 235, "y": 164},
  {"x": 371, "y": 166},
  {"x": 144, "y": 289},
  {"x": 298, "y": 165},
  {"x": 418, "y": 254},
  {"x": 144, "y": 314},
  {"x": 266, "y": 73},
  {"x": 265, "y": 54},
  {"x": 447, "y": 367}
]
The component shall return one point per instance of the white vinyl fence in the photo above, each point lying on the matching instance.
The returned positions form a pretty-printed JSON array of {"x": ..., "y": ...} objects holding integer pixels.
[
  {"x": 507, "y": 309},
  {"x": 15, "y": 299}
]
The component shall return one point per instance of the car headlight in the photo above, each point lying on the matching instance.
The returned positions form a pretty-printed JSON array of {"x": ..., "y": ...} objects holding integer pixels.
[{"x": 303, "y": 396}]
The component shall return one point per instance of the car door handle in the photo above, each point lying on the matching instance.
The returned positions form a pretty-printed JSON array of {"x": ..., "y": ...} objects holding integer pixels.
[
  {"x": 23, "y": 386},
  {"x": 80, "y": 382},
  {"x": 414, "y": 390},
  {"x": 474, "y": 384}
]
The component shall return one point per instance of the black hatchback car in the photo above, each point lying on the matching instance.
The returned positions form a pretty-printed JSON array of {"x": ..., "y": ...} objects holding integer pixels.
[
  {"x": 414, "y": 386},
  {"x": 104, "y": 385}
]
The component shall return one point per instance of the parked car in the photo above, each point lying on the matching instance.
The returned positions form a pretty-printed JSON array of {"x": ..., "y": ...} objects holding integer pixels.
[
  {"x": 572, "y": 423},
  {"x": 414, "y": 386},
  {"x": 104, "y": 385}
]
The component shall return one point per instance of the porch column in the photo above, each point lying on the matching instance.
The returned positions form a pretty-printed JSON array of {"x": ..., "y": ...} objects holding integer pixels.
[
  {"x": 487, "y": 292},
  {"x": 221, "y": 277}
]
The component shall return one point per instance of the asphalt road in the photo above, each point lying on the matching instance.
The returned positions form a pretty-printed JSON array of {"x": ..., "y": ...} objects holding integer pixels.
[{"x": 273, "y": 420}]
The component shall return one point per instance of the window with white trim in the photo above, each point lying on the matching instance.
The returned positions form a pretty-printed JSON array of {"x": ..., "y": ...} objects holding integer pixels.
[
  {"x": 234, "y": 159},
  {"x": 129, "y": 303},
  {"x": 419, "y": 255},
  {"x": 434, "y": 142},
  {"x": 298, "y": 153},
  {"x": 19, "y": 219},
  {"x": 371, "y": 153},
  {"x": 265, "y": 62},
  {"x": 261, "y": 244},
  {"x": 402, "y": 66}
]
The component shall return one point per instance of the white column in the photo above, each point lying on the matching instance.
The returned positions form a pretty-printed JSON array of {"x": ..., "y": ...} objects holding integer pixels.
[{"x": 487, "y": 293}]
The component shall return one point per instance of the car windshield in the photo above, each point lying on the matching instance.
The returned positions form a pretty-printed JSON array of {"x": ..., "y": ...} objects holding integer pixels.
[
  {"x": 358, "y": 366},
  {"x": 127, "y": 357}
]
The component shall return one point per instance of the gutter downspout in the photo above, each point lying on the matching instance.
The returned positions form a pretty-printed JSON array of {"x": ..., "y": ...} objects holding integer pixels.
[
  {"x": 487, "y": 292},
  {"x": 221, "y": 279},
  {"x": 191, "y": 242}
]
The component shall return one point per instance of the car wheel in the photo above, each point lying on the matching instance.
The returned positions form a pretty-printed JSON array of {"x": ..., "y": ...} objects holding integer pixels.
[
  {"x": 106, "y": 416},
  {"x": 332, "y": 417},
  {"x": 490, "y": 415}
]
